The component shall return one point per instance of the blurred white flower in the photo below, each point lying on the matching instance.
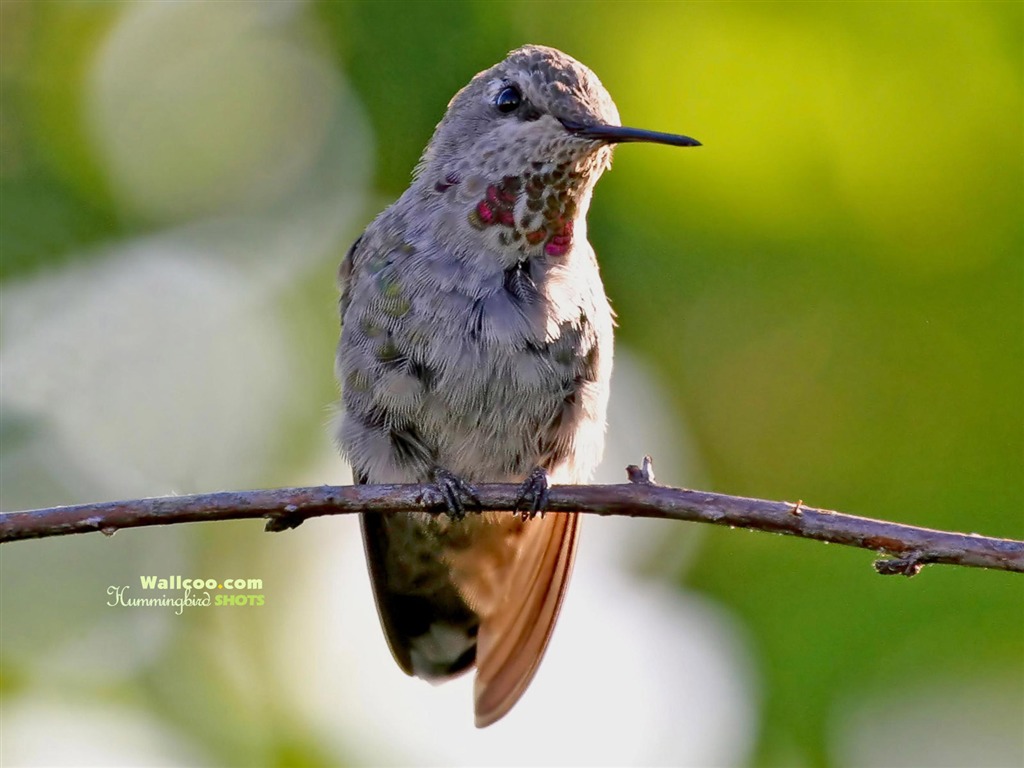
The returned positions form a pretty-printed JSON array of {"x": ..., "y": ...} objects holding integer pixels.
[
  {"x": 53, "y": 730},
  {"x": 206, "y": 108}
]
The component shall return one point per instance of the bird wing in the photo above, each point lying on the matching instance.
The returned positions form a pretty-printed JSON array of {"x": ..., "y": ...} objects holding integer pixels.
[
  {"x": 431, "y": 633},
  {"x": 512, "y": 639},
  {"x": 345, "y": 277}
]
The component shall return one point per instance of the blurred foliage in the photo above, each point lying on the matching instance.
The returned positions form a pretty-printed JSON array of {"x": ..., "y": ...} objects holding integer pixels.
[
  {"x": 832, "y": 288},
  {"x": 55, "y": 196}
]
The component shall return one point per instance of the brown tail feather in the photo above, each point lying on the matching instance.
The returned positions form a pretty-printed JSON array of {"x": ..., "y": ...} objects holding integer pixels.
[{"x": 513, "y": 638}]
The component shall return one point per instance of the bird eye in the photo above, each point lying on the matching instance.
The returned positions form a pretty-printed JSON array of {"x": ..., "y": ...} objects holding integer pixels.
[{"x": 508, "y": 99}]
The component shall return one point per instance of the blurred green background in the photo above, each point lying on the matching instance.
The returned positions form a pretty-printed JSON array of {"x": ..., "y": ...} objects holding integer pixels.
[{"x": 825, "y": 302}]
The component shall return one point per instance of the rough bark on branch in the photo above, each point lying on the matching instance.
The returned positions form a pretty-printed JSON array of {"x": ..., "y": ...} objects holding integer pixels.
[{"x": 910, "y": 547}]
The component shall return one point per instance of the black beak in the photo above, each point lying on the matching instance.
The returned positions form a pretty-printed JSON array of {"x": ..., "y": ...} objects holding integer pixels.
[{"x": 617, "y": 134}]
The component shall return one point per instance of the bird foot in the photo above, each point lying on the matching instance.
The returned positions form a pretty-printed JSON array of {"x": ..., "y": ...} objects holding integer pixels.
[
  {"x": 533, "y": 495},
  {"x": 453, "y": 490}
]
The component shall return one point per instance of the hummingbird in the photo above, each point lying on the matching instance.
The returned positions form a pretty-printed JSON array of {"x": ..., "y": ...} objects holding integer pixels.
[{"x": 476, "y": 346}]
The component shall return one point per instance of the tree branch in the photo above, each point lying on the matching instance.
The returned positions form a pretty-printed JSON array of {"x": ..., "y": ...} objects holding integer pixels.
[{"x": 910, "y": 547}]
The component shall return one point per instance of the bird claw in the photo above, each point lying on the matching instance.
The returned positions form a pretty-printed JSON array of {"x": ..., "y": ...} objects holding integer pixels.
[
  {"x": 535, "y": 490},
  {"x": 453, "y": 490}
]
